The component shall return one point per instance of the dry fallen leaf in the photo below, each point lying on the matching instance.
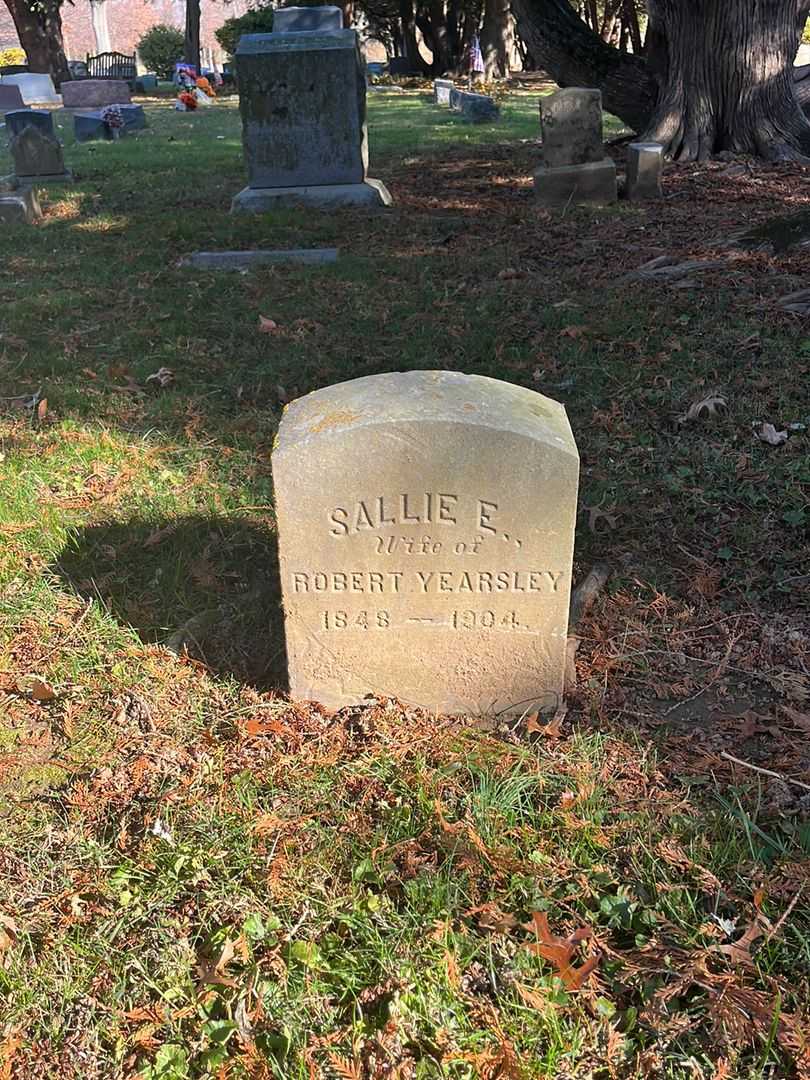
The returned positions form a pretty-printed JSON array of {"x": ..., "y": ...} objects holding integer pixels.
[
  {"x": 767, "y": 433},
  {"x": 739, "y": 952},
  {"x": 510, "y": 273},
  {"x": 491, "y": 917},
  {"x": 36, "y": 689},
  {"x": 597, "y": 514},
  {"x": 267, "y": 326},
  {"x": 560, "y": 952},
  {"x": 800, "y": 719},
  {"x": 552, "y": 729},
  {"x": 573, "y": 331},
  {"x": 705, "y": 407},
  {"x": 161, "y": 378}
]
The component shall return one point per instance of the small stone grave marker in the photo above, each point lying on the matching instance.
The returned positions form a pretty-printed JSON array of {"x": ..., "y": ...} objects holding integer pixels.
[
  {"x": 426, "y": 526},
  {"x": 442, "y": 88},
  {"x": 575, "y": 167},
  {"x": 645, "y": 163}
]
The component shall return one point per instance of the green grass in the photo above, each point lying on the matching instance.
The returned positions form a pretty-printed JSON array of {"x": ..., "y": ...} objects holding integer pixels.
[{"x": 196, "y": 873}]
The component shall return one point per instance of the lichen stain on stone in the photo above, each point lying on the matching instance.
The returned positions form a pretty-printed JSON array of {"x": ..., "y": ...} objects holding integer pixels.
[{"x": 335, "y": 419}]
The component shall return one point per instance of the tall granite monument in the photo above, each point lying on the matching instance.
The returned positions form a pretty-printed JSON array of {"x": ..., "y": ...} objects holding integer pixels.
[
  {"x": 302, "y": 95},
  {"x": 426, "y": 528},
  {"x": 575, "y": 167}
]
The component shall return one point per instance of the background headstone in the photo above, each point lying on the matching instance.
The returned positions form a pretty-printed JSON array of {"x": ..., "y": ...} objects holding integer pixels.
[
  {"x": 36, "y": 89},
  {"x": 575, "y": 167},
  {"x": 477, "y": 108},
  {"x": 20, "y": 119},
  {"x": 645, "y": 164},
  {"x": 302, "y": 97},
  {"x": 95, "y": 93},
  {"x": 288, "y": 20},
  {"x": 442, "y": 88},
  {"x": 10, "y": 98},
  {"x": 18, "y": 204},
  {"x": 571, "y": 121},
  {"x": 37, "y": 156},
  {"x": 426, "y": 525}
]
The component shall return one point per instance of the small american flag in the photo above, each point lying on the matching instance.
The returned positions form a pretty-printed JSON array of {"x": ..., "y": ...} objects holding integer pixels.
[{"x": 476, "y": 56}]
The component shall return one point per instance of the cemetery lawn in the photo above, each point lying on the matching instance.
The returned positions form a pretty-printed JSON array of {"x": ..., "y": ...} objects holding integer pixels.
[{"x": 198, "y": 878}]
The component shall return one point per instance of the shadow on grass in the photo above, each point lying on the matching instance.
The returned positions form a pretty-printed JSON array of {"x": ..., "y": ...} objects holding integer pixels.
[{"x": 206, "y": 585}]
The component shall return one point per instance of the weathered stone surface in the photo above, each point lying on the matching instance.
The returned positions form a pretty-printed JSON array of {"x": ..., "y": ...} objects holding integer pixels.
[
  {"x": 20, "y": 119},
  {"x": 303, "y": 104},
  {"x": 645, "y": 164},
  {"x": 290, "y": 20},
  {"x": 477, "y": 108},
  {"x": 37, "y": 156},
  {"x": 574, "y": 184},
  {"x": 145, "y": 84},
  {"x": 426, "y": 524},
  {"x": 442, "y": 89},
  {"x": 247, "y": 260},
  {"x": 95, "y": 93},
  {"x": 90, "y": 126},
  {"x": 10, "y": 98},
  {"x": 35, "y": 89},
  {"x": 321, "y": 196},
  {"x": 21, "y": 206},
  {"x": 571, "y": 121}
]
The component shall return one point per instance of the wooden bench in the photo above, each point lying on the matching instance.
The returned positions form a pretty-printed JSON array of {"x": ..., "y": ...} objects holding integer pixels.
[{"x": 112, "y": 65}]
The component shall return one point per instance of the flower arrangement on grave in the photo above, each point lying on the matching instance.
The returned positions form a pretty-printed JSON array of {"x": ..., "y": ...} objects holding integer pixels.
[
  {"x": 186, "y": 101},
  {"x": 206, "y": 87},
  {"x": 113, "y": 118}
]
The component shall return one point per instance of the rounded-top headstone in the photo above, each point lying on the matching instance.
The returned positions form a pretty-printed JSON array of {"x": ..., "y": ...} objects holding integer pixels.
[
  {"x": 20, "y": 119},
  {"x": 426, "y": 525},
  {"x": 571, "y": 120}
]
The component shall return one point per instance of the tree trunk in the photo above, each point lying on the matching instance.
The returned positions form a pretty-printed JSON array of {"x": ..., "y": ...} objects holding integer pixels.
[
  {"x": 101, "y": 28},
  {"x": 191, "y": 49},
  {"x": 561, "y": 43},
  {"x": 497, "y": 38},
  {"x": 39, "y": 28},
  {"x": 718, "y": 75},
  {"x": 630, "y": 19},
  {"x": 724, "y": 69}
]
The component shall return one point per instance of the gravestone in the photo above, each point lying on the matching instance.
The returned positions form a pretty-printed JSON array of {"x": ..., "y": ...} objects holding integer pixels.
[
  {"x": 37, "y": 157},
  {"x": 145, "y": 84},
  {"x": 442, "y": 88},
  {"x": 95, "y": 93},
  {"x": 288, "y": 20},
  {"x": 18, "y": 204},
  {"x": 302, "y": 97},
  {"x": 20, "y": 119},
  {"x": 36, "y": 89},
  {"x": 249, "y": 260},
  {"x": 477, "y": 108},
  {"x": 575, "y": 167},
  {"x": 426, "y": 525},
  {"x": 645, "y": 163},
  {"x": 91, "y": 126},
  {"x": 10, "y": 98}
]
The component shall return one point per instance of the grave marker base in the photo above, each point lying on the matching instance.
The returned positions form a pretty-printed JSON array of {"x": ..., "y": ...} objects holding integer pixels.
[
  {"x": 261, "y": 200},
  {"x": 592, "y": 182}
]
